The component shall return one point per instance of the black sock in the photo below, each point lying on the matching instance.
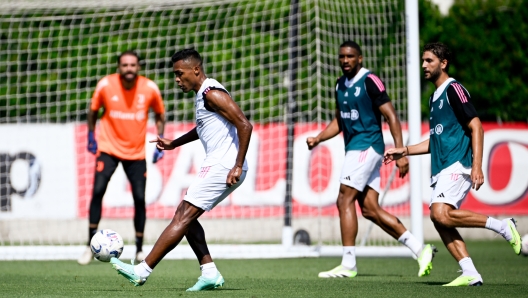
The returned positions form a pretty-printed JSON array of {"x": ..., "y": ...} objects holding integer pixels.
[
  {"x": 91, "y": 233},
  {"x": 139, "y": 244}
]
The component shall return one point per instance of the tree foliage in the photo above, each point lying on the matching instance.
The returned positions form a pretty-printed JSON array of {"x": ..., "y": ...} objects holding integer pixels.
[{"x": 489, "y": 41}]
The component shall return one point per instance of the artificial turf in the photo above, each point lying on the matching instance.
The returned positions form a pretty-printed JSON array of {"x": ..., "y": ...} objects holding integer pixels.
[{"x": 503, "y": 272}]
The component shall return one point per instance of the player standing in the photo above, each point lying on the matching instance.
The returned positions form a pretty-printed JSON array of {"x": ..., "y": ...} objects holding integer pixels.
[
  {"x": 225, "y": 133},
  {"x": 455, "y": 143},
  {"x": 126, "y": 98},
  {"x": 361, "y": 100}
]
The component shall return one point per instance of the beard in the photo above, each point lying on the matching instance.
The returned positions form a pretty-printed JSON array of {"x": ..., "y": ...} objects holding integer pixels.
[
  {"x": 126, "y": 76},
  {"x": 434, "y": 75}
]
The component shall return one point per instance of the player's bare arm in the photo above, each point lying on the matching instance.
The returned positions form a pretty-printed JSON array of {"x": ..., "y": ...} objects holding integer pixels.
[
  {"x": 168, "y": 144},
  {"x": 399, "y": 152},
  {"x": 224, "y": 105},
  {"x": 329, "y": 132},
  {"x": 477, "y": 143},
  {"x": 387, "y": 110}
]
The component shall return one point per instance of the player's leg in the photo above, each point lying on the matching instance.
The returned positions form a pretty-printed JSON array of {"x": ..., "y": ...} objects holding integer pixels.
[
  {"x": 168, "y": 240},
  {"x": 457, "y": 248},
  {"x": 196, "y": 238},
  {"x": 389, "y": 223},
  {"x": 451, "y": 190},
  {"x": 136, "y": 171},
  {"x": 202, "y": 195},
  {"x": 105, "y": 166},
  {"x": 352, "y": 180},
  {"x": 209, "y": 192},
  {"x": 211, "y": 277},
  {"x": 349, "y": 228},
  {"x": 372, "y": 211}
]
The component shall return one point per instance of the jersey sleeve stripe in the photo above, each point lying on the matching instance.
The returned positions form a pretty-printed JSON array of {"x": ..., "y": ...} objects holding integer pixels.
[
  {"x": 460, "y": 92},
  {"x": 377, "y": 81}
]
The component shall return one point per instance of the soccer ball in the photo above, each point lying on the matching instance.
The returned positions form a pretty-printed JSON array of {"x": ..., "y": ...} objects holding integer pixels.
[
  {"x": 106, "y": 244},
  {"x": 524, "y": 245}
]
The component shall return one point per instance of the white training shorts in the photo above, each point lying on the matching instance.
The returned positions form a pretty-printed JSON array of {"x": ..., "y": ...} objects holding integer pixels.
[
  {"x": 209, "y": 187},
  {"x": 362, "y": 168},
  {"x": 451, "y": 185}
]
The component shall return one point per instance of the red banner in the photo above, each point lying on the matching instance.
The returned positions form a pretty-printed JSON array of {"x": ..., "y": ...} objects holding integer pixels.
[{"x": 315, "y": 176}]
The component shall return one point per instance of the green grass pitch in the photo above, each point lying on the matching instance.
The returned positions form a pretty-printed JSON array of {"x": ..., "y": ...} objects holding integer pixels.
[{"x": 504, "y": 274}]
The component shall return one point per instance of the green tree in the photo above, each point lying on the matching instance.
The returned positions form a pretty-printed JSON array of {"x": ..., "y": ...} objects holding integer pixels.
[{"x": 488, "y": 40}]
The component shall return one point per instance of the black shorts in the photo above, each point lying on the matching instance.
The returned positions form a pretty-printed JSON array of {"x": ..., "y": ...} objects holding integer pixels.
[{"x": 105, "y": 165}]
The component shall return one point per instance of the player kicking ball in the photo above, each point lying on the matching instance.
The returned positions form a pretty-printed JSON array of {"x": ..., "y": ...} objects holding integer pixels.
[
  {"x": 225, "y": 133},
  {"x": 455, "y": 143}
]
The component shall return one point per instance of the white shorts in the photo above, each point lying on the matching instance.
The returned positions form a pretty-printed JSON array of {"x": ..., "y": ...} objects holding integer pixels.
[
  {"x": 210, "y": 187},
  {"x": 451, "y": 189},
  {"x": 362, "y": 168}
]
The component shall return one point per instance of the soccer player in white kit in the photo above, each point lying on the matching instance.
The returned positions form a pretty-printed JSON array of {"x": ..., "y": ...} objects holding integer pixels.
[{"x": 225, "y": 133}]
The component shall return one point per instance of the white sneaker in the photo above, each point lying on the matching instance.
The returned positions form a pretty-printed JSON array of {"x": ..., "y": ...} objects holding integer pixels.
[
  {"x": 86, "y": 257},
  {"x": 140, "y": 256},
  {"x": 339, "y": 271}
]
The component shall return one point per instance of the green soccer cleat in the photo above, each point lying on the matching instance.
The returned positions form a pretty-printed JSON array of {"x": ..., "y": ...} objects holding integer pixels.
[
  {"x": 204, "y": 283},
  {"x": 515, "y": 241},
  {"x": 465, "y": 281},
  {"x": 338, "y": 271},
  {"x": 127, "y": 270},
  {"x": 425, "y": 260}
]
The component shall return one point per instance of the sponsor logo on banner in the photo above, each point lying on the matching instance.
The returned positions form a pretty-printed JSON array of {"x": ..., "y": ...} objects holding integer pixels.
[
  {"x": 315, "y": 178},
  {"x": 38, "y": 171},
  {"x": 7, "y": 188}
]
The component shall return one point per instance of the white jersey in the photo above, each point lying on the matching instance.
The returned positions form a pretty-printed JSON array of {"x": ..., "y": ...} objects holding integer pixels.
[{"x": 218, "y": 136}]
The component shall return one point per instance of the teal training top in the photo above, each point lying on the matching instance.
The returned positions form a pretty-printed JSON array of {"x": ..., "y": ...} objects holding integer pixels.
[
  {"x": 359, "y": 114},
  {"x": 449, "y": 140}
]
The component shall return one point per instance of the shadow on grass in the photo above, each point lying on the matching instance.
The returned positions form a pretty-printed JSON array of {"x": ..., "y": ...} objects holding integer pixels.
[
  {"x": 433, "y": 283},
  {"x": 377, "y": 275}
]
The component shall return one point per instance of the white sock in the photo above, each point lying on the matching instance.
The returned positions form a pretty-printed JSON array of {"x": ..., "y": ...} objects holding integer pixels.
[
  {"x": 468, "y": 269},
  {"x": 349, "y": 257},
  {"x": 411, "y": 242},
  {"x": 505, "y": 231},
  {"x": 209, "y": 270},
  {"x": 142, "y": 269},
  {"x": 494, "y": 224}
]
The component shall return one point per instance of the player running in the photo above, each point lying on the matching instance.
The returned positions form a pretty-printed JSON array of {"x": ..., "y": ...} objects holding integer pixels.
[
  {"x": 361, "y": 100},
  {"x": 225, "y": 133},
  {"x": 126, "y": 98},
  {"x": 455, "y": 142}
]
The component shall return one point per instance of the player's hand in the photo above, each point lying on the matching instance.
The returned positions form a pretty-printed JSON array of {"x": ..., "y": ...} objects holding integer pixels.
[
  {"x": 92, "y": 143},
  {"x": 403, "y": 166},
  {"x": 234, "y": 176},
  {"x": 312, "y": 142},
  {"x": 393, "y": 154},
  {"x": 162, "y": 143},
  {"x": 477, "y": 177}
]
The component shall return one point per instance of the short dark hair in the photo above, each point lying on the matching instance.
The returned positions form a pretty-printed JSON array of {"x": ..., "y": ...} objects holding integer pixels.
[
  {"x": 127, "y": 53},
  {"x": 441, "y": 51},
  {"x": 187, "y": 54},
  {"x": 351, "y": 44}
]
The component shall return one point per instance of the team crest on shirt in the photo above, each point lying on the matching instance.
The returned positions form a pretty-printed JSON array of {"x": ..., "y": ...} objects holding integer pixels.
[
  {"x": 346, "y": 94},
  {"x": 358, "y": 90},
  {"x": 439, "y": 129},
  {"x": 441, "y": 104},
  {"x": 141, "y": 101},
  {"x": 115, "y": 98},
  {"x": 354, "y": 114}
]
